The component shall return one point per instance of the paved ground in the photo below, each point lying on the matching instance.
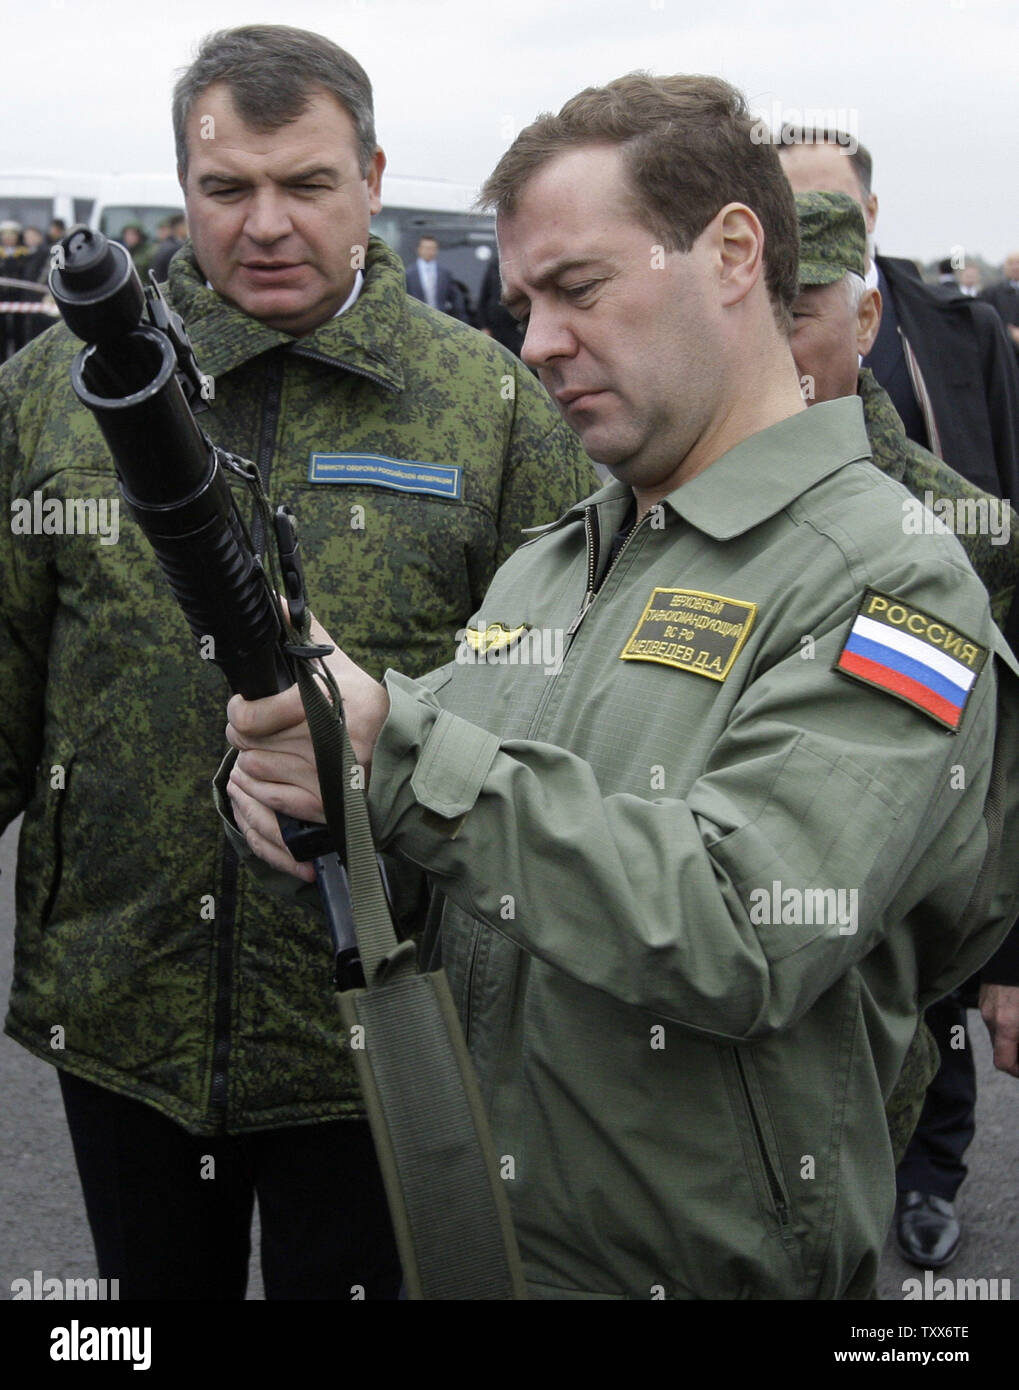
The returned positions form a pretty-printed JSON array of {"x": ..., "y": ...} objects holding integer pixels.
[{"x": 43, "y": 1226}]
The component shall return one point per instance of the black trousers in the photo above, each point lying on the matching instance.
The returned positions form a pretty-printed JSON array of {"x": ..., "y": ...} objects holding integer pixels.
[
  {"x": 170, "y": 1211},
  {"x": 933, "y": 1162}
]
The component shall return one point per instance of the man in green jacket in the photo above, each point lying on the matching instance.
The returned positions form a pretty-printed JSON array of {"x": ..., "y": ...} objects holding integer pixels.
[
  {"x": 702, "y": 873},
  {"x": 193, "y": 1018},
  {"x": 836, "y": 319}
]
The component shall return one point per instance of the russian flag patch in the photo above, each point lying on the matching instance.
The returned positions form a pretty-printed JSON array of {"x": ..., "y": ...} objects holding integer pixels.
[{"x": 912, "y": 655}]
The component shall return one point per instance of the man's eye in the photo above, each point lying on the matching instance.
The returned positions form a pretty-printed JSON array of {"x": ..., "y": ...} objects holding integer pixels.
[
  {"x": 579, "y": 291},
  {"x": 310, "y": 187},
  {"x": 226, "y": 192}
]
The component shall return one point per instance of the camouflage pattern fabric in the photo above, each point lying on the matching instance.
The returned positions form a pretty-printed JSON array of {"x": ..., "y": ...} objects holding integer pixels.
[
  {"x": 953, "y": 498},
  {"x": 833, "y": 238},
  {"x": 932, "y": 481},
  {"x": 144, "y": 962},
  {"x": 919, "y": 1068}
]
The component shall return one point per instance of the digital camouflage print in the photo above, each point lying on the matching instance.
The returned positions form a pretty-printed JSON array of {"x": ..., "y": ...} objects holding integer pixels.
[
  {"x": 833, "y": 238},
  {"x": 992, "y": 550},
  {"x": 144, "y": 961}
]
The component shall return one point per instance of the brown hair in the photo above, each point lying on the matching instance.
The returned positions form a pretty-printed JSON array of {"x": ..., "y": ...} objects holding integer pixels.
[
  {"x": 272, "y": 72},
  {"x": 689, "y": 148}
]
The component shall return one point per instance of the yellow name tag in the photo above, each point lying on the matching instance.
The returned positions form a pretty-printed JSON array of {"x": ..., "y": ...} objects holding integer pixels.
[{"x": 692, "y": 631}]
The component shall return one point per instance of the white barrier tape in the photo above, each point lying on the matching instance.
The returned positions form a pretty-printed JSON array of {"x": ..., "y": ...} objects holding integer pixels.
[{"x": 10, "y": 307}]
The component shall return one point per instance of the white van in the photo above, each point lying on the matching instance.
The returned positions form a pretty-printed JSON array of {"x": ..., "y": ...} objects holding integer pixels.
[
  {"x": 34, "y": 197},
  {"x": 143, "y": 198}
]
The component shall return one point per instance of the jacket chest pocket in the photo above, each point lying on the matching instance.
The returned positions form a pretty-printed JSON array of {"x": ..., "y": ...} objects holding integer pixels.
[{"x": 392, "y": 574}]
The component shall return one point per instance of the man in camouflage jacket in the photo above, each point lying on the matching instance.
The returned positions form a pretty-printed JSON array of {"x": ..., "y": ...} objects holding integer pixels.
[{"x": 413, "y": 451}]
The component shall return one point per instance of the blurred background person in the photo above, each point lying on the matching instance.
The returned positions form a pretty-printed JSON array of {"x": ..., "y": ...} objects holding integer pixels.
[
  {"x": 495, "y": 318},
  {"x": 1004, "y": 297},
  {"x": 432, "y": 283},
  {"x": 176, "y": 235},
  {"x": 969, "y": 281},
  {"x": 942, "y": 358},
  {"x": 135, "y": 238}
]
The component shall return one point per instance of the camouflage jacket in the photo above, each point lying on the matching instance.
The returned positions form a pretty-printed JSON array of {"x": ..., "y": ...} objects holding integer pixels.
[
  {"x": 144, "y": 961},
  {"x": 987, "y": 529}
]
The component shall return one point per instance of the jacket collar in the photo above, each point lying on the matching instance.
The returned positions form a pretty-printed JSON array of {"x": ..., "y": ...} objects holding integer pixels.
[
  {"x": 756, "y": 479},
  {"x": 763, "y": 474},
  {"x": 366, "y": 339}
]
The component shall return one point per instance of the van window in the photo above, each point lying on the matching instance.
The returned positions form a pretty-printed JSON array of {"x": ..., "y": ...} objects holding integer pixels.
[
  {"x": 83, "y": 209},
  {"x": 459, "y": 235},
  {"x": 30, "y": 212},
  {"x": 115, "y": 218}
]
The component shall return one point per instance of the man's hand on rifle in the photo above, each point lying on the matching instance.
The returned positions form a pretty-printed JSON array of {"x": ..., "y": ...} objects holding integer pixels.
[{"x": 275, "y": 769}]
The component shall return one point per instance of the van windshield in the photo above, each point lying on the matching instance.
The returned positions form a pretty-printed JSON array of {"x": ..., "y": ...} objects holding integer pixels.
[
  {"x": 30, "y": 212},
  {"x": 115, "y": 217}
]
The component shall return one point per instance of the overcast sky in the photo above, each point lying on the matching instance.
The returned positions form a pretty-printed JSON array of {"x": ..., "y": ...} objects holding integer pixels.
[{"x": 931, "y": 85}]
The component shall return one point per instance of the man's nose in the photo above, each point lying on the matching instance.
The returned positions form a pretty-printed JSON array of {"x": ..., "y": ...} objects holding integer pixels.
[
  {"x": 547, "y": 337},
  {"x": 268, "y": 216}
]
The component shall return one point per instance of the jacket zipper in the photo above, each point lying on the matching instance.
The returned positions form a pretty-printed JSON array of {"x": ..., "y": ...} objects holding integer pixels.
[
  {"x": 267, "y": 440},
  {"x": 774, "y": 1186},
  {"x": 226, "y": 910},
  {"x": 472, "y": 961},
  {"x": 592, "y": 534}
]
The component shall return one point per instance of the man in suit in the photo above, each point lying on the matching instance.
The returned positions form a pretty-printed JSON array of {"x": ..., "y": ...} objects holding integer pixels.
[
  {"x": 941, "y": 357},
  {"x": 969, "y": 281},
  {"x": 1004, "y": 296},
  {"x": 432, "y": 283}
]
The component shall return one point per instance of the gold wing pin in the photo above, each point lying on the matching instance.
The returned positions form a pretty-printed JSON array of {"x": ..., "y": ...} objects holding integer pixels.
[{"x": 494, "y": 637}]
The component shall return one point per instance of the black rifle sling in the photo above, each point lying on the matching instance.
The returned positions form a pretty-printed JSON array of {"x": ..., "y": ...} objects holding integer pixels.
[{"x": 449, "y": 1208}]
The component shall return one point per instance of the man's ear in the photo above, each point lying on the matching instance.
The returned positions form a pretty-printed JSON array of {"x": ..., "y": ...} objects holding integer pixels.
[
  {"x": 740, "y": 239},
  {"x": 374, "y": 181},
  {"x": 868, "y": 321},
  {"x": 870, "y": 212}
]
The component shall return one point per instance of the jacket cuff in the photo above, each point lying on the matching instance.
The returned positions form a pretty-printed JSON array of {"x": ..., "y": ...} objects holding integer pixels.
[{"x": 425, "y": 759}]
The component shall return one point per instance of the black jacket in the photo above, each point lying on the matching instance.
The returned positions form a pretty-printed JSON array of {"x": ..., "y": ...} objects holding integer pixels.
[
  {"x": 970, "y": 374},
  {"x": 1004, "y": 298}
]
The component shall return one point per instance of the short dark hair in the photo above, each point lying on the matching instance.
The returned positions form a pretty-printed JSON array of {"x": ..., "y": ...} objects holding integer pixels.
[
  {"x": 272, "y": 72},
  {"x": 688, "y": 147},
  {"x": 857, "y": 154}
]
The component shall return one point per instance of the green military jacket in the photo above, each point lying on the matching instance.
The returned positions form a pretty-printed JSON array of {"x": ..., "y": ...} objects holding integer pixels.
[
  {"x": 414, "y": 450},
  {"x": 993, "y": 551},
  {"x": 685, "y": 1065}
]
